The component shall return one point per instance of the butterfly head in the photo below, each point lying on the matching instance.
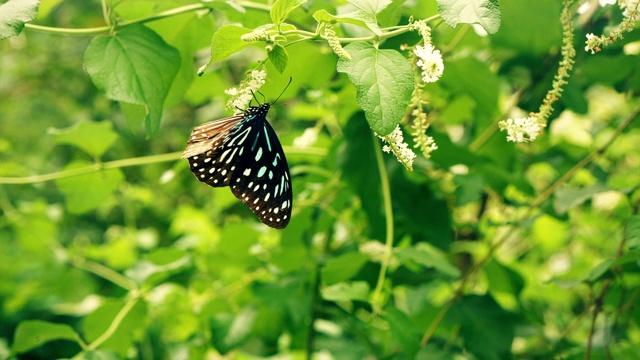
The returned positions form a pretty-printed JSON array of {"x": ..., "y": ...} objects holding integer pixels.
[{"x": 260, "y": 110}]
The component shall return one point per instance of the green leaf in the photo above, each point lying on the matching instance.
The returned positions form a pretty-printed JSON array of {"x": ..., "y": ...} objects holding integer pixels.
[
  {"x": 229, "y": 331},
  {"x": 482, "y": 315},
  {"x": 429, "y": 256},
  {"x": 134, "y": 66},
  {"x": 403, "y": 331},
  {"x": 599, "y": 271},
  {"x": 364, "y": 16},
  {"x": 567, "y": 198},
  {"x": 32, "y": 333},
  {"x": 633, "y": 231},
  {"x": 279, "y": 57},
  {"x": 343, "y": 267},
  {"x": 281, "y": 9},
  {"x": 347, "y": 291},
  {"x": 469, "y": 188},
  {"x": 129, "y": 329},
  {"x": 384, "y": 84},
  {"x": 93, "y": 137},
  {"x": 503, "y": 279},
  {"x": 14, "y": 14},
  {"x": 367, "y": 10},
  {"x": 160, "y": 265},
  {"x": 86, "y": 192},
  {"x": 324, "y": 16},
  {"x": 486, "y": 13},
  {"x": 226, "y": 42}
]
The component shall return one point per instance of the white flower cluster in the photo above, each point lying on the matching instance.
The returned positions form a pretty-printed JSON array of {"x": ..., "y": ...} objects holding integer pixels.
[
  {"x": 631, "y": 9},
  {"x": 399, "y": 148},
  {"x": 241, "y": 96},
  {"x": 593, "y": 43},
  {"x": 423, "y": 29},
  {"x": 521, "y": 129},
  {"x": 430, "y": 61}
]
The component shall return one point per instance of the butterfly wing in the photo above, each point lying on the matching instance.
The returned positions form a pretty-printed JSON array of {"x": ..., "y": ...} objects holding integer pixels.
[
  {"x": 262, "y": 180},
  {"x": 244, "y": 152},
  {"x": 204, "y": 151}
]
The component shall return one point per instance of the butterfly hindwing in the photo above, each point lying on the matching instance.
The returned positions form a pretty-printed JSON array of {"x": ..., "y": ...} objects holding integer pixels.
[
  {"x": 264, "y": 183},
  {"x": 244, "y": 152}
]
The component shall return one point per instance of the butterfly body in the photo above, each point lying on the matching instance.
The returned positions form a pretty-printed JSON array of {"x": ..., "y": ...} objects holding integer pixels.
[{"x": 244, "y": 153}]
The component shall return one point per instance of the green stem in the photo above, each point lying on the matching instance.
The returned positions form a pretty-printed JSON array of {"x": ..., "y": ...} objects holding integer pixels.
[
  {"x": 105, "y": 29},
  {"x": 376, "y": 300},
  {"x": 104, "y": 272},
  {"x": 34, "y": 179},
  {"x": 117, "y": 320}
]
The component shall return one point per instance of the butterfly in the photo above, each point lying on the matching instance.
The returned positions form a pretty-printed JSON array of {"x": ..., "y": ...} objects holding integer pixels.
[{"x": 244, "y": 153}]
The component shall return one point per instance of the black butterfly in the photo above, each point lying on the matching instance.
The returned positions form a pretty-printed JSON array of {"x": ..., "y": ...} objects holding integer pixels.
[{"x": 243, "y": 152}]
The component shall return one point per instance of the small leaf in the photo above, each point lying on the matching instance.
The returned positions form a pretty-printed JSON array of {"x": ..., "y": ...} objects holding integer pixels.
[
  {"x": 633, "y": 232},
  {"x": 429, "y": 256},
  {"x": 229, "y": 332},
  {"x": 384, "y": 84},
  {"x": 32, "y": 333},
  {"x": 347, "y": 291},
  {"x": 367, "y": 10},
  {"x": 135, "y": 66},
  {"x": 599, "y": 271},
  {"x": 86, "y": 192},
  {"x": 281, "y": 9},
  {"x": 93, "y": 137},
  {"x": 486, "y": 13},
  {"x": 323, "y": 16},
  {"x": 403, "y": 331},
  {"x": 14, "y": 14},
  {"x": 567, "y": 198},
  {"x": 343, "y": 267},
  {"x": 226, "y": 42},
  {"x": 279, "y": 57}
]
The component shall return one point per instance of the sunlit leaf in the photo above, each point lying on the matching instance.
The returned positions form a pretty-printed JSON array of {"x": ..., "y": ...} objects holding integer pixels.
[
  {"x": 84, "y": 193},
  {"x": 384, "y": 83},
  {"x": 135, "y": 66},
  {"x": 347, "y": 291},
  {"x": 14, "y": 14},
  {"x": 93, "y": 137},
  {"x": 31, "y": 334},
  {"x": 482, "y": 12}
]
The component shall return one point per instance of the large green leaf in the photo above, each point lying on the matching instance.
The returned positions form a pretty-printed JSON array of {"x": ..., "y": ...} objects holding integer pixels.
[
  {"x": 32, "y": 333},
  {"x": 226, "y": 42},
  {"x": 86, "y": 192},
  {"x": 346, "y": 291},
  {"x": 281, "y": 9},
  {"x": 486, "y": 13},
  {"x": 567, "y": 198},
  {"x": 487, "y": 329},
  {"x": 123, "y": 336},
  {"x": 343, "y": 267},
  {"x": 632, "y": 231},
  {"x": 93, "y": 137},
  {"x": 134, "y": 65},
  {"x": 384, "y": 84},
  {"x": 14, "y": 14}
]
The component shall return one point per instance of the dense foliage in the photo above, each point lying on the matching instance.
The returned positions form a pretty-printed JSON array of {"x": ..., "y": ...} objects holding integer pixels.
[{"x": 481, "y": 248}]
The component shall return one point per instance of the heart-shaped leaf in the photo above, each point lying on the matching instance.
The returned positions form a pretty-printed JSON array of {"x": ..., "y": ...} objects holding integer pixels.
[
  {"x": 134, "y": 66},
  {"x": 384, "y": 84}
]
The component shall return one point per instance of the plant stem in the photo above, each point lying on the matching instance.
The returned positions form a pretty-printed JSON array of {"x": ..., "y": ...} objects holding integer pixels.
[
  {"x": 34, "y": 179},
  {"x": 105, "y": 29},
  {"x": 103, "y": 272},
  {"x": 376, "y": 300}
]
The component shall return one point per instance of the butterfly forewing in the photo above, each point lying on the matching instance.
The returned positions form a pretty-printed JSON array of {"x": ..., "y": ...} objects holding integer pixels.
[{"x": 244, "y": 152}]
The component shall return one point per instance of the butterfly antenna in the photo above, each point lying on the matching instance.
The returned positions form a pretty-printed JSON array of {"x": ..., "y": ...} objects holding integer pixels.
[
  {"x": 285, "y": 89},
  {"x": 255, "y": 98}
]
